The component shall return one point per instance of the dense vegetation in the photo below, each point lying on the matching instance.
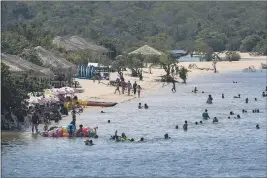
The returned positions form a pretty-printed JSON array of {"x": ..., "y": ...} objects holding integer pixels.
[
  {"x": 124, "y": 26},
  {"x": 15, "y": 89}
]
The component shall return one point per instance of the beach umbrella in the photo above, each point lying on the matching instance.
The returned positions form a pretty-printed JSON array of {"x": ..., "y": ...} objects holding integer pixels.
[
  {"x": 33, "y": 100},
  {"x": 61, "y": 91}
]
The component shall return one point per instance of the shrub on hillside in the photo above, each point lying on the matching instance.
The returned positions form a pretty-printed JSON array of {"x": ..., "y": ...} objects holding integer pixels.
[{"x": 232, "y": 56}]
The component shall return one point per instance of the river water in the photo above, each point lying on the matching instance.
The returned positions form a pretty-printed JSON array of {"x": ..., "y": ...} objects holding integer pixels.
[{"x": 230, "y": 148}]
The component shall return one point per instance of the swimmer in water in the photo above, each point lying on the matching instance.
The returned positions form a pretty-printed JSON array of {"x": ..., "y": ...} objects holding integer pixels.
[
  {"x": 196, "y": 123},
  {"x": 195, "y": 90},
  {"x": 108, "y": 121},
  {"x": 123, "y": 135},
  {"x": 185, "y": 126},
  {"x": 139, "y": 106},
  {"x": 263, "y": 94},
  {"x": 257, "y": 126},
  {"x": 222, "y": 96},
  {"x": 215, "y": 120},
  {"x": 89, "y": 142},
  {"x": 256, "y": 99},
  {"x": 141, "y": 140},
  {"x": 205, "y": 115},
  {"x": 246, "y": 100},
  {"x": 200, "y": 122},
  {"x": 238, "y": 116},
  {"x": 229, "y": 117},
  {"x": 231, "y": 113},
  {"x": 146, "y": 106},
  {"x": 166, "y": 136},
  {"x": 176, "y": 127},
  {"x": 209, "y": 101},
  {"x": 102, "y": 112}
]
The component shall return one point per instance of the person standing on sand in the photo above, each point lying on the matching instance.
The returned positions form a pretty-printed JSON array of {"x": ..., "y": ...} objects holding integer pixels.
[
  {"x": 139, "y": 90},
  {"x": 129, "y": 86},
  {"x": 123, "y": 86},
  {"x": 35, "y": 122},
  {"x": 173, "y": 86},
  {"x": 117, "y": 88},
  {"x": 134, "y": 87}
]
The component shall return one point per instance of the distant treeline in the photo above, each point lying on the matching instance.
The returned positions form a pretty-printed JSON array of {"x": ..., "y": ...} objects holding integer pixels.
[{"x": 124, "y": 26}]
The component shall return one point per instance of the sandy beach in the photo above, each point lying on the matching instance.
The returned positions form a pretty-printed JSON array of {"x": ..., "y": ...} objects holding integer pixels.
[{"x": 104, "y": 92}]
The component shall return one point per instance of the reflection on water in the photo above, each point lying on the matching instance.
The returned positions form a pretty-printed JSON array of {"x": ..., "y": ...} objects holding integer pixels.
[{"x": 231, "y": 148}]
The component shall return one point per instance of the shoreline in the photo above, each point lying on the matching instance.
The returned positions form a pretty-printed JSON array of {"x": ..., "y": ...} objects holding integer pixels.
[{"x": 104, "y": 92}]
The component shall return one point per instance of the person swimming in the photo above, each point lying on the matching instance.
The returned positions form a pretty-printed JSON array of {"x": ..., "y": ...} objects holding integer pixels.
[
  {"x": 246, "y": 100},
  {"x": 185, "y": 126},
  {"x": 205, "y": 115},
  {"x": 244, "y": 111},
  {"x": 229, "y": 117},
  {"x": 209, "y": 101},
  {"x": 215, "y": 120},
  {"x": 166, "y": 136},
  {"x": 222, "y": 96},
  {"x": 238, "y": 116},
  {"x": 141, "y": 140},
  {"x": 255, "y": 99},
  {"x": 123, "y": 135},
  {"x": 231, "y": 113},
  {"x": 257, "y": 126},
  {"x": 237, "y": 96},
  {"x": 263, "y": 94},
  {"x": 176, "y": 127},
  {"x": 195, "y": 90},
  {"x": 103, "y": 112},
  {"x": 196, "y": 123},
  {"x": 89, "y": 142},
  {"x": 139, "y": 106},
  {"x": 200, "y": 122},
  {"x": 146, "y": 106},
  {"x": 108, "y": 121}
]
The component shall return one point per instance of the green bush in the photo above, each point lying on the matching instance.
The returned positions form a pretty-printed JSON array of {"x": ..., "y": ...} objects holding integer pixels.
[
  {"x": 232, "y": 56},
  {"x": 183, "y": 74}
]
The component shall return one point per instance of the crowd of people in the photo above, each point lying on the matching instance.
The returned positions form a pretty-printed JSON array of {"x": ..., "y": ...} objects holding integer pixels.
[{"x": 127, "y": 87}]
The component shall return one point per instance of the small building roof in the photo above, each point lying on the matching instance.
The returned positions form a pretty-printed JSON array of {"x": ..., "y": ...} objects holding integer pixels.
[
  {"x": 178, "y": 51},
  {"x": 146, "y": 50}
]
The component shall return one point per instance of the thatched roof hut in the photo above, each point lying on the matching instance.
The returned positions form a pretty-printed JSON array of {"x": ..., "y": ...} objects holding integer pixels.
[
  {"x": 146, "y": 51},
  {"x": 52, "y": 60},
  {"x": 18, "y": 65},
  {"x": 75, "y": 43}
]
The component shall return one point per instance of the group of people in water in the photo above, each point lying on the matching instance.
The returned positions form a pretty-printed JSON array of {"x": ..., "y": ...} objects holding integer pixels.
[{"x": 140, "y": 106}]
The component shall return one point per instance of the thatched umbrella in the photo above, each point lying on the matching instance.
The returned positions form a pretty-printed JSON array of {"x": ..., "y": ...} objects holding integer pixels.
[
  {"x": 19, "y": 65},
  {"x": 147, "y": 51}
]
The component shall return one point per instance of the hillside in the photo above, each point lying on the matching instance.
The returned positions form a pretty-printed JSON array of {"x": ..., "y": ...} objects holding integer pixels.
[{"x": 125, "y": 26}]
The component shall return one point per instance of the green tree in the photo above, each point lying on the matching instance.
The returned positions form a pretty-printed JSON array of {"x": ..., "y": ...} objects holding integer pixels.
[
  {"x": 249, "y": 42},
  {"x": 183, "y": 74},
  {"x": 15, "y": 88}
]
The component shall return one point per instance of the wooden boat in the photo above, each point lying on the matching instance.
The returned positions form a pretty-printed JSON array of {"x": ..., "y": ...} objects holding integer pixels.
[
  {"x": 101, "y": 104},
  {"x": 263, "y": 66}
]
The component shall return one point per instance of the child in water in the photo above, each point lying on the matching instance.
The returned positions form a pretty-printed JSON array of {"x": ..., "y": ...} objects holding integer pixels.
[
  {"x": 80, "y": 131},
  {"x": 139, "y": 106},
  {"x": 146, "y": 106}
]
